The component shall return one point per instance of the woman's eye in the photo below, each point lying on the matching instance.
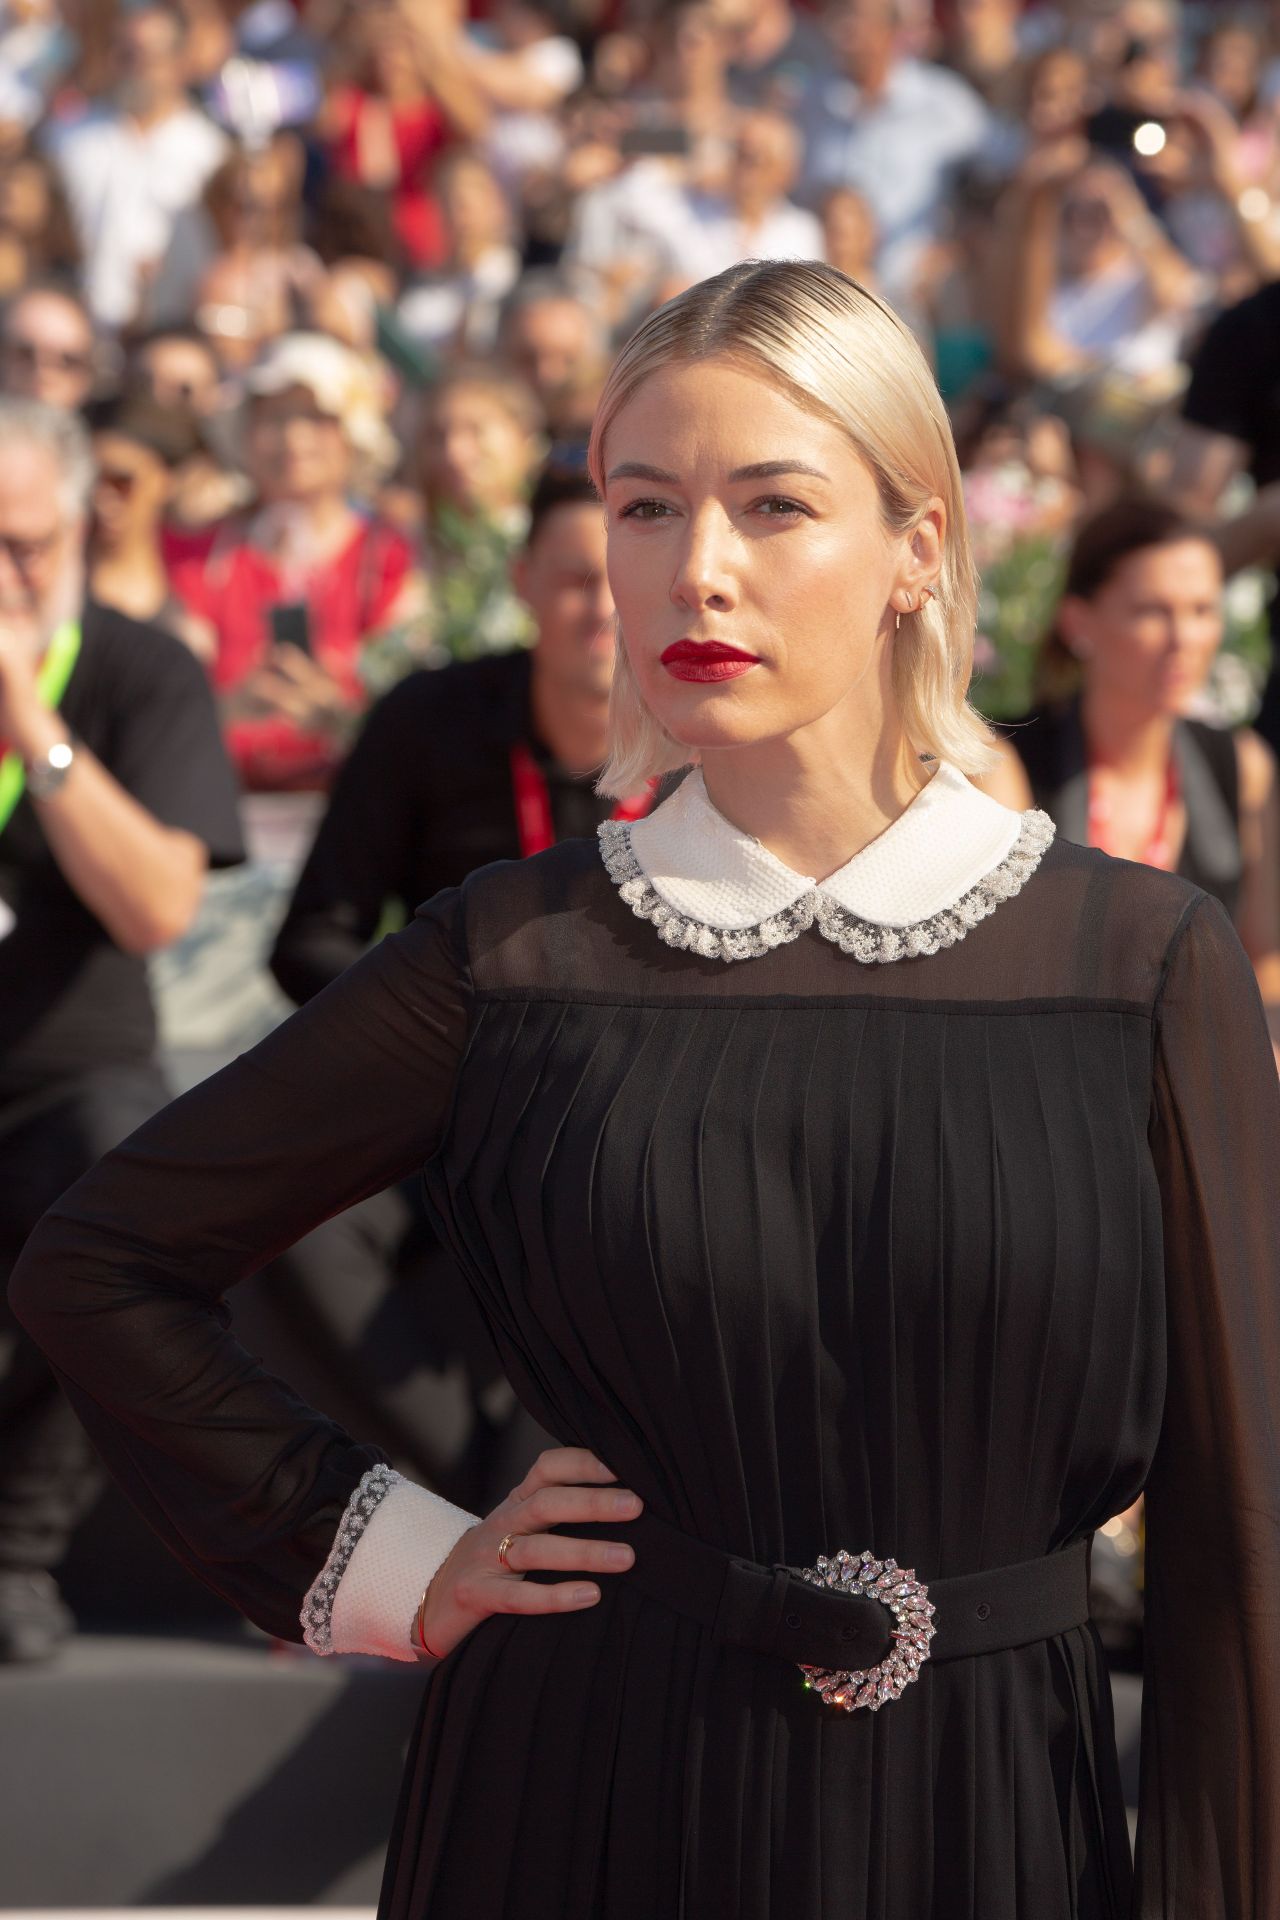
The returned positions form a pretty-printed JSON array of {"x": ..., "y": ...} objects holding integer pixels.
[
  {"x": 641, "y": 510},
  {"x": 784, "y": 509}
]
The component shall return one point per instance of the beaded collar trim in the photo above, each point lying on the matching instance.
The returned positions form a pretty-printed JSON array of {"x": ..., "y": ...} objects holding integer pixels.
[{"x": 942, "y": 866}]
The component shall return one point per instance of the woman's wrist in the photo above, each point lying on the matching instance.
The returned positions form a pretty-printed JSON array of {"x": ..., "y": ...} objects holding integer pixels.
[{"x": 417, "y": 1633}]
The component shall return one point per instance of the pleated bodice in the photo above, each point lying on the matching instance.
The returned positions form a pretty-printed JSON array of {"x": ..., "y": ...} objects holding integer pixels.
[{"x": 812, "y": 1261}]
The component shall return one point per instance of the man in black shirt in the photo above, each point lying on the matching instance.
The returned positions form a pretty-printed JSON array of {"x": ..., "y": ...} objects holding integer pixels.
[
  {"x": 1230, "y": 425},
  {"x": 485, "y": 760},
  {"x": 115, "y": 796}
]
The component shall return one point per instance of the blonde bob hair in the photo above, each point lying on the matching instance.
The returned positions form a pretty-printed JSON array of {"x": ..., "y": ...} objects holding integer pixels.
[{"x": 841, "y": 354}]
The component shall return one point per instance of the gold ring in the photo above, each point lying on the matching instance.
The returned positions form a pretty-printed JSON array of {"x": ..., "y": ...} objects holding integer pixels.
[{"x": 504, "y": 1547}]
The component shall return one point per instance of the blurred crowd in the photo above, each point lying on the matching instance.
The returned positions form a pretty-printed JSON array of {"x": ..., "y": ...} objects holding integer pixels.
[
  {"x": 330, "y": 280},
  {"x": 332, "y": 287}
]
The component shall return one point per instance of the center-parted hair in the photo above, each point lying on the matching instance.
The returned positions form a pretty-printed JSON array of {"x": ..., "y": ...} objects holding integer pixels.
[{"x": 841, "y": 354}]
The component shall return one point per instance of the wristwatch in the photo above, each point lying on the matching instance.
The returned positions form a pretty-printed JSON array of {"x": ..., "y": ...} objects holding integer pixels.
[{"x": 47, "y": 772}]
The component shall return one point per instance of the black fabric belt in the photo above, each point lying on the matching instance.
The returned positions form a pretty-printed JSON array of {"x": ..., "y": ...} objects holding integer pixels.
[{"x": 772, "y": 1610}]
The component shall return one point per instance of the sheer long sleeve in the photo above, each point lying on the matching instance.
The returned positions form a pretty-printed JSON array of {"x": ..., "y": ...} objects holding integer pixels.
[
  {"x": 122, "y": 1282},
  {"x": 1209, "y": 1827}
]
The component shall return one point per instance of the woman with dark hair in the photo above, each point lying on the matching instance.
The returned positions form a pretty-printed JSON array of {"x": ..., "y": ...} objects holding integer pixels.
[
  {"x": 139, "y": 448},
  {"x": 262, "y": 279},
  {"x": 1113, "y": 754}
]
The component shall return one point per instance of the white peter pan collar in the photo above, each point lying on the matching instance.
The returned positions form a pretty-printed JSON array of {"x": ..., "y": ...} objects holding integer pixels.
[{"x": 946, "y": 862}]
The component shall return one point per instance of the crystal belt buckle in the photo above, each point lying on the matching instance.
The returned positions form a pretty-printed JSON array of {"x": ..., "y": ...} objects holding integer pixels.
[{"x": 907, "y": 1600}]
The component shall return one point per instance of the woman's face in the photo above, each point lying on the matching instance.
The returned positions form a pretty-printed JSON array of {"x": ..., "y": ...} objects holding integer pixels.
[
  {"x": 1057, "y": 96},
  {"x": 130, "y": 492},
  {"x": 294, "y": 451},
  {"x": 849, "y": 229},
  {"x": 1147, "y": 638},
  {"x": 476, "y": 454},
  {"x": 737, "y": 518},
  {"x": 1089, "y": 233},
  {"x": 473, "y": 205}
]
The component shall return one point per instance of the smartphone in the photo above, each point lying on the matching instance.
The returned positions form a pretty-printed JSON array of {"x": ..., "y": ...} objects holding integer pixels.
[{"x": 291, "y": 625}]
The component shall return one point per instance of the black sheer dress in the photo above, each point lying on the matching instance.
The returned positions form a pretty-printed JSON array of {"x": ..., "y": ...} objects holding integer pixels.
[{"x": 947, "y": 1258}]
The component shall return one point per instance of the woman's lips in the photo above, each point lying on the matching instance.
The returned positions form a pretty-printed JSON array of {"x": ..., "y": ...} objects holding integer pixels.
[{"x": 707, "y": 660}]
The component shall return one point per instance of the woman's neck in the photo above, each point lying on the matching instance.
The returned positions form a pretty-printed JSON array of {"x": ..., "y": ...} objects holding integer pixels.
[
  {"x": 132, "y": 578},
  {"x": 1129, "y": 741},
  {"x": 814, "y": 800}
]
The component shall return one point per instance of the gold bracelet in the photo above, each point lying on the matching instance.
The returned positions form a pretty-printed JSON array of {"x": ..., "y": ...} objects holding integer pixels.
[{"x": 418, "y": 1624}]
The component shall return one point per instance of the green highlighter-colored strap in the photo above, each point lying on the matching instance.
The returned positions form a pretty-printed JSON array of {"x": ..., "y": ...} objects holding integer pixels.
[{"x": 56, "y": 669}]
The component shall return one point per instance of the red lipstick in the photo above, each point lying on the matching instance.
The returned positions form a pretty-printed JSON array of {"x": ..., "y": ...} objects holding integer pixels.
[{"x": 707, "y": 660}]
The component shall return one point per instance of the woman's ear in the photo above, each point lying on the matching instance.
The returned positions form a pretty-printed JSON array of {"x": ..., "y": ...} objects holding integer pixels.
[{"x": 925, "y": 545}]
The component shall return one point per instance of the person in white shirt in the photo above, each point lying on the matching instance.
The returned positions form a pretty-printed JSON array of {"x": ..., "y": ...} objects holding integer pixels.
[
  {"x": 681, "y": 234},
  {"x": 753, "y": 219},
  {"x": 891, "y": 126},
  {"x": 134, "y": 170}
]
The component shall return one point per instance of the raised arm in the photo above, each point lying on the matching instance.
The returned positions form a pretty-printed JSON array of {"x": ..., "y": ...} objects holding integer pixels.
[{"x": 1209, "y": 1824}]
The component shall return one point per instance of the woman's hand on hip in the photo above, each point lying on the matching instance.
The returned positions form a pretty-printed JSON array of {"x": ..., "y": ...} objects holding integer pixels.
[{"x": 566, "y": 1486}]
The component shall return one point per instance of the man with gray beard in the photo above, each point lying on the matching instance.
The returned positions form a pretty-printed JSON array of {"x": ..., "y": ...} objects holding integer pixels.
[{"x": 115, "y": 798}]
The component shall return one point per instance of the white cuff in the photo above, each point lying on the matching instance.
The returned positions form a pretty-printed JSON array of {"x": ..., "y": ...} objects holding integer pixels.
[{"x": 392, "y": 1537}]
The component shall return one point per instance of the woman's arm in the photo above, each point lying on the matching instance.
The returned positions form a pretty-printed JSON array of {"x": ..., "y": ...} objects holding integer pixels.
[
  {"x": 123, "y": 1282},
  {"x": 1258, "y": 917},
  {"x": 1209, "y": 1822},
  {"x": 1029, "y": 216}
]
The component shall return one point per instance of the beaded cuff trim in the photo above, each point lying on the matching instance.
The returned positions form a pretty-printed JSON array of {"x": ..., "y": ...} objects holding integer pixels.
[
  {"x": 866, "y": 940},
  {"x": 317, "y": 1608}
]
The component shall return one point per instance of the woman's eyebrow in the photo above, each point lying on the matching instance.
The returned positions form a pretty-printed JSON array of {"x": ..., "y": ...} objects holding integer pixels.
[
  {"x": 637, "y": 470},
  {"x": 761, "y": 470},
  {"x": 775, "y": 469}
]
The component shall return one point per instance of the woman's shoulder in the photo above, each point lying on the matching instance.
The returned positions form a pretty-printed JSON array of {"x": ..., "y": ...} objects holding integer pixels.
[
  {"x": 531, "y": 923},
  {"x": 1118, "y": 919}
]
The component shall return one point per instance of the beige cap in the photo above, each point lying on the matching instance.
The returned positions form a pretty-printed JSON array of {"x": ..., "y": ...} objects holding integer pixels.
[{"x": 346, "y": 385}]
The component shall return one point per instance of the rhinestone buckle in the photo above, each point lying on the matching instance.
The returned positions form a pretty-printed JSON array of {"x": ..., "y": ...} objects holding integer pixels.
[{"x": 907, "y": 1600}]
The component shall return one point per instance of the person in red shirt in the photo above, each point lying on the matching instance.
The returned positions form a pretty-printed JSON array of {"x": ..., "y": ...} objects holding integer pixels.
[
  {"x": 297, "y": 587},
  {"x": 408, "y": 97}
]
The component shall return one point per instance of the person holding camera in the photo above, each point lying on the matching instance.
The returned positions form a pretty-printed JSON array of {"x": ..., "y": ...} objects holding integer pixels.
[{"x": 297, "y": 585}]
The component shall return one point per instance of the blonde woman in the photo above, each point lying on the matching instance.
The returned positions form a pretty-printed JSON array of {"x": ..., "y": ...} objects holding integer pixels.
[{"x": 846, "y": 1167}]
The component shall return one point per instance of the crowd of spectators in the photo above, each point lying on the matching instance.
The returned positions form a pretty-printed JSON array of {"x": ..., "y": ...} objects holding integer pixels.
[
  {"x": 334, "y": 285},
  {"x": 371, "y": 260}
]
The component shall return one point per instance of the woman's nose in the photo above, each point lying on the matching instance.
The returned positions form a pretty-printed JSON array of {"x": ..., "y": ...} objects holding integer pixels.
[{"x": 704, "y": 575}]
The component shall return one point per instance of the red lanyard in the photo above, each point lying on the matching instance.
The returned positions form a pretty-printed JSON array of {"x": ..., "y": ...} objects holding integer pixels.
[
  {"x": 533, "y": 803},
  {"x": 1157, "y": 852}
]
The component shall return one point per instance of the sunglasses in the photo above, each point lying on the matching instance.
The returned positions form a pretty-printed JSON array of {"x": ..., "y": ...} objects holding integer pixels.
[{"x": 29, "y": 353}]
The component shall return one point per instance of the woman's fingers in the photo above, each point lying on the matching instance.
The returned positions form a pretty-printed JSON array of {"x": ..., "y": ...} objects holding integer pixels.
[
  {"x": 570, "y": 1506},
  {"x": 524, "y": 1596},
  {"x": 562, "y": 1553},
  {"x": 559, "y": 1465}
]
